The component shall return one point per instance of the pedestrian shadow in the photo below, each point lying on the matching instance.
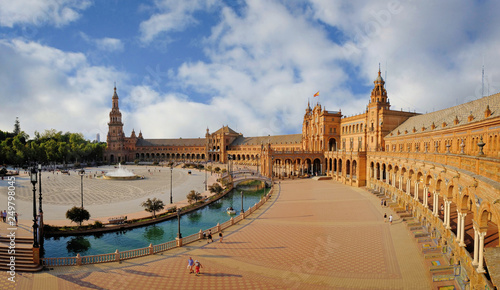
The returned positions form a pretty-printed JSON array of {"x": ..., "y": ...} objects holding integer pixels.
[
  {"x": 220, "y": 275},
  {"x": 231, "y": 243}
]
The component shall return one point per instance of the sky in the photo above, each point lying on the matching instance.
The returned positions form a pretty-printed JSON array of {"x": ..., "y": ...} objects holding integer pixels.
[{"x": 181, "y": 67}]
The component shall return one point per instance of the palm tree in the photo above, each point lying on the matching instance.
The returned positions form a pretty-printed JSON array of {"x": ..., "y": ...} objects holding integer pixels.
[
  {"x": 153, "y": 205},
  {"x": 193, "y": 196},
  {"x": 215, "y": 188}
]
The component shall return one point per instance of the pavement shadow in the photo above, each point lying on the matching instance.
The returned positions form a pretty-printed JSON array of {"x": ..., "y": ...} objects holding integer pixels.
[
  {"x": 140, "y": 273},
  {"x": 77, "y": 279},
  {"x": 220, "y": 275},
  {"x": 215, "y": 256}
]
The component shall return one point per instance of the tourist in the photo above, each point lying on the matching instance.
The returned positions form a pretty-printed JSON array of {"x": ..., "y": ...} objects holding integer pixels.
[
  {"x": 15, "y": 216},
  {"x": 385, "y": 203},
  {"x": 4, "y": 216},
  {"x": 390, "y": 219},
  {"x": 190, "y": 265},
  {"x": 385, "y": 217},
  {"x": 197, "y": 266},
  {"x": 209, "y": 239},
  {"x": 220, "y": 237}
]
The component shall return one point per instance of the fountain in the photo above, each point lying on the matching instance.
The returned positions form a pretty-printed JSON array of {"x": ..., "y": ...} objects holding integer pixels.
[{"x": 121, "y": 173}]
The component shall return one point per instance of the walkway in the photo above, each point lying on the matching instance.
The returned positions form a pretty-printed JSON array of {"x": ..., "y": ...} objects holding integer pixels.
[{"x": 313, "y": 235}]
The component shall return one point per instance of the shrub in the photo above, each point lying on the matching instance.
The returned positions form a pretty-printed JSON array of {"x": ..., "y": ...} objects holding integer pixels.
[{"x": 78, "y": 215}]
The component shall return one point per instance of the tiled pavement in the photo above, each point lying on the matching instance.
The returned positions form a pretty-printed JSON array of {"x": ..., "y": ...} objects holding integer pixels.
[{"x": 312, "y": 235}]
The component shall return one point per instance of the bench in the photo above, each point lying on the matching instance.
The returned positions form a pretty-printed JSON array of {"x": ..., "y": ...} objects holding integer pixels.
[{"x": 117, "y": 220}]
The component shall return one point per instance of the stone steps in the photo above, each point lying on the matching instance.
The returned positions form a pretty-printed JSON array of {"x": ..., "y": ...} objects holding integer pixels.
[{"x": 23, "y": 255}]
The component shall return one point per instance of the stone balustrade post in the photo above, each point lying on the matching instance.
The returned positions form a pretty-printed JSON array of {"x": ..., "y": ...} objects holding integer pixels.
[
  {"x": 117, "y": 256},
  {"x": 78, "y": 259},
  {"x": 151, "y": 249}
]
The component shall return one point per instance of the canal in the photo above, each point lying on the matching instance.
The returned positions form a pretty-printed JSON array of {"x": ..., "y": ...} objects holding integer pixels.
[{"x": 103, "y": 243}]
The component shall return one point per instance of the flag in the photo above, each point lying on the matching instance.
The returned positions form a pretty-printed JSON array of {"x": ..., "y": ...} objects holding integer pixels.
[{"x": 316, "y": 94}]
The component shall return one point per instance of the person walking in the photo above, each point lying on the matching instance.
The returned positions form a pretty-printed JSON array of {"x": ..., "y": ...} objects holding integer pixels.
[
  {"x": 390, "y": 219},
  {"x": 4, "y": 216},
  {"x": 209, "y": 237},
  {"x": 190, "y": 265},
  {"x": 385, "y": 217},
  {"x": 220, "y": 237},
  {"x": 197, "y": 266},
  {"x": 15, "y": 216}
]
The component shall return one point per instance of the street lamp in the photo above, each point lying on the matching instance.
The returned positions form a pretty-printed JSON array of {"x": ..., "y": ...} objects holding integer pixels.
[
  {"x": 81, "y": 172},
  {"x": 171, "y": 170},
  {"x": 35, "y": 226},
  {"x": 206, "y": 184},
  {"x": 179, "y": 235},
  {"x": 40, "y": 211},
  {"x": 40, "y": 188},
  {"x": 242, "y": 210}
]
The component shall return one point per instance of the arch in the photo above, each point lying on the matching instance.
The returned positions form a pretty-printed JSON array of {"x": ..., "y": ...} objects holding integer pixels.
[
  {"x": 354, "y": 169},
  {"x": 340, "y": 166},
  {"x": 348, "y": 168},
  {"x": 332, "y": 144}
]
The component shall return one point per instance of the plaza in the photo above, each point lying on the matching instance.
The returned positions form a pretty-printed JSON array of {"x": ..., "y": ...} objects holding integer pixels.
[
  {"x": 309, "y": 235},
  {"x": 104, "y": 198}
]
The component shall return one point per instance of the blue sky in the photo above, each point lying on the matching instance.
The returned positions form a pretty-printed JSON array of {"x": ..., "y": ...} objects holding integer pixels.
[{"x": 183, "y": 66}]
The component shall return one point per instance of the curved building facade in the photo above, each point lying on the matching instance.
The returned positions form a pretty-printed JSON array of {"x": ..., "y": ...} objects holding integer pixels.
[{"x": 443, "y": 167}]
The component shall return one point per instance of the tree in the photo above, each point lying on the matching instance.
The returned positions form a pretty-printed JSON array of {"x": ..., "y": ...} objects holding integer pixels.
[
  {"x": 193, "y": 196},
  {"x": 17, "y": 127},
  {"x": 215, "y": 188},
  {"x": 153, "y": 205},
  {"x": 78, "y": 215}
]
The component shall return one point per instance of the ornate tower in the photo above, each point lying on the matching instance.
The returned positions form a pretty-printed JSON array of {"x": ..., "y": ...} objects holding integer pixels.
[
  {"x": 379, "y": 105},
  {"x": 116, "y": 137}
]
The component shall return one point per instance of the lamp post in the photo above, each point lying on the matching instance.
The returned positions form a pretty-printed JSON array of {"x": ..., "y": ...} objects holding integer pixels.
[
  {"x": 81, "y": 172},
  {"x": 35, "y": 226},
  {"x": 179, "y": 235},
  {"x": 40, "y": 211},
  {"x": 206, "y": 182},
  {"x": 171, "y": 170},
  {"x": 242, "y": 210},
  {"x": 40, "y": 188}
]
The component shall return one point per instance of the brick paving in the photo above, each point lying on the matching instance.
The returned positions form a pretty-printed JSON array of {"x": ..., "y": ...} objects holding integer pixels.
[{"x": 312, "y": 235}]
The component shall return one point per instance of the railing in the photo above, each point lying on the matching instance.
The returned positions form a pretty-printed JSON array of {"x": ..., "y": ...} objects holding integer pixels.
[
  {"x": 96, "y": 259},
  {"x": 69, "y": 261},
  {"x": 136, "y": 253},
  {"x": 152, "y": 249}
]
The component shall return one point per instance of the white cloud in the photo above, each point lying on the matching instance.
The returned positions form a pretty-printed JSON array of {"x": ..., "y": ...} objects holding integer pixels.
[
  {"x": 40, "y": 12},
  {"x": 104, "y": 44},
  {"x": 172, "y": 15},
  {"x": 48, "y": 88}
]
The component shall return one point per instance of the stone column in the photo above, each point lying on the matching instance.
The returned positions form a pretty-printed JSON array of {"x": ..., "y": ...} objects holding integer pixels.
[
  {"x": 387, "y": 176},
  {"x": 401, "y": 182},
  {"x": 408, "y": 186},
  {"x": 480, "y": 266},
  {"x": 476, "y": 246},
  {"x": 426, "y": 198},
  {"x": 459, "y": 226},
  {"x": 461, "y": 243},
  {"x": 435, "y": 209},
  {"x": 394, "y": 179},
  {"x": 416, "y": 191},
  {"x": 447, "y": 209}
]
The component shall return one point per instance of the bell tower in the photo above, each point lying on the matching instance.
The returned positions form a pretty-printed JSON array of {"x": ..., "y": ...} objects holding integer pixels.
[
  {"x": 116, "y": 137},
  {"x": 376, "y": 110}
]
